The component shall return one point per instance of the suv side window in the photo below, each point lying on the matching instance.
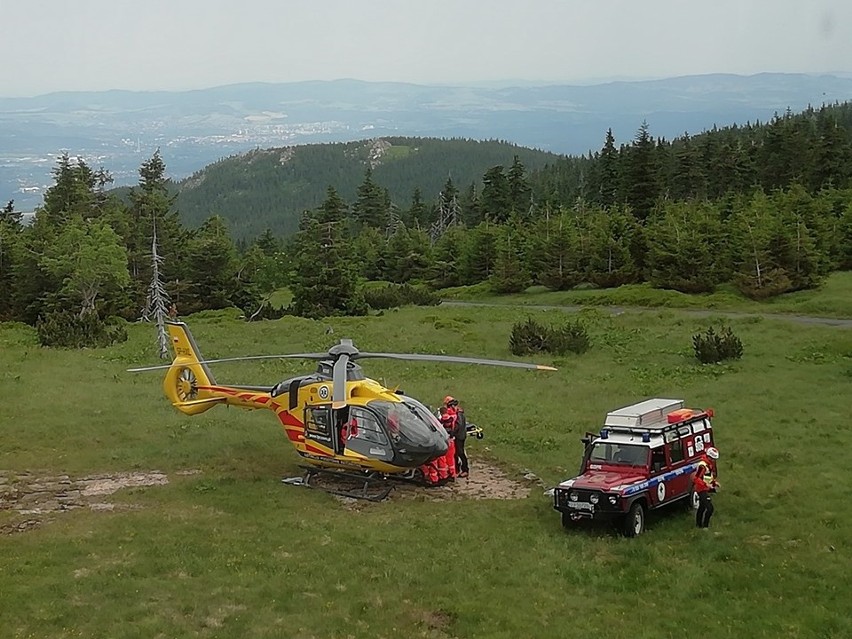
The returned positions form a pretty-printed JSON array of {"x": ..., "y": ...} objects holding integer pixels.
[
  {"x": 676, "y": 451},
  {"x": 658, "y": 459}
]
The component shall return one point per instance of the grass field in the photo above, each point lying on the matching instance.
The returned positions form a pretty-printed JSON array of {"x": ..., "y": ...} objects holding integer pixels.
[{"x": 228, "y": 551}]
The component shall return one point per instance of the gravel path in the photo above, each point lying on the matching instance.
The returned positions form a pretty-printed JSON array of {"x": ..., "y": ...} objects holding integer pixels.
[{"x": 618, "y": 310}]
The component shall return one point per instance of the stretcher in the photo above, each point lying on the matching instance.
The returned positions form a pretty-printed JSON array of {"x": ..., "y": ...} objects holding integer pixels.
[{"x": 475, "y": 431}]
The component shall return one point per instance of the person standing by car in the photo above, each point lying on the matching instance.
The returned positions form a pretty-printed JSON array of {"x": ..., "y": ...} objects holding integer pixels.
[{"x": 704, "y": 483}]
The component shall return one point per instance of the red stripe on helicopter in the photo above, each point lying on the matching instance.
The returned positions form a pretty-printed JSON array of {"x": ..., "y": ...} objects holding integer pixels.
[
  {"x": 289, "y": 420},
  {"x": 294, "y": 434}
]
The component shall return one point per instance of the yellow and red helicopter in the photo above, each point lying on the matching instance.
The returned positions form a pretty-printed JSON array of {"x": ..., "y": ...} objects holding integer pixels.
[{"x": 336, "y": 418}]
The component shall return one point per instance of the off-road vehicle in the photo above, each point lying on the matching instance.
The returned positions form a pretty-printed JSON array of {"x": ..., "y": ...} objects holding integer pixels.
[{"x": 643, "y": 458}]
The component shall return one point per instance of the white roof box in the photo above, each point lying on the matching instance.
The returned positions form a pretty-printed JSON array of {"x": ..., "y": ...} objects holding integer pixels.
[{"x": 647, "y": 414}]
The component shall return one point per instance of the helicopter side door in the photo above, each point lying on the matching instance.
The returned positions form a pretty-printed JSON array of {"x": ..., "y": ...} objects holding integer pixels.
[
  {"x": 318, "y": 426},
  {"x": 369, "y": 437}
]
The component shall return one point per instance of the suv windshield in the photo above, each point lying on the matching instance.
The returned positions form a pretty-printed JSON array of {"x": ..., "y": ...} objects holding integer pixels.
[{"x": 615, "y": 453}]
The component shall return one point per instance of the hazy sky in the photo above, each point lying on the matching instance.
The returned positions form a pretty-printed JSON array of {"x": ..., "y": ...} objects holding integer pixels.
[{"x": 59, "y": 45}]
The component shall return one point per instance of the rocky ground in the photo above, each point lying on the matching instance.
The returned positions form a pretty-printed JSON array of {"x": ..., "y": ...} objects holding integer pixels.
[{"x": 34, "y": 498}]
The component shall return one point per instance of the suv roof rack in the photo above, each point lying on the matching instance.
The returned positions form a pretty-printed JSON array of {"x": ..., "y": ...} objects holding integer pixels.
[{"x": 652, "y": 414}]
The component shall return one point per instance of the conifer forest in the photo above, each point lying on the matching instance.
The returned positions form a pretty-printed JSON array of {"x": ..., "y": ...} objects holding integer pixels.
[{"x": 765, "y": 207}]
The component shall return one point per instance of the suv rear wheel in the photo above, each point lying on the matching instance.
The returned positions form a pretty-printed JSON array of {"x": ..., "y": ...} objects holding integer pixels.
[
  {"x": 693, "y": 500},
  {"x": 634, "y": 522}
]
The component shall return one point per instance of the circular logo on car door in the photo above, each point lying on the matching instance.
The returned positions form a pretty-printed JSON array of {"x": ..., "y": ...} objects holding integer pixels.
[{"x": 661, "y": 491}]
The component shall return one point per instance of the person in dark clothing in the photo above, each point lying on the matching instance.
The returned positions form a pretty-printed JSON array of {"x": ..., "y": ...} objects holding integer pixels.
[{"x": 459, "y": 434}]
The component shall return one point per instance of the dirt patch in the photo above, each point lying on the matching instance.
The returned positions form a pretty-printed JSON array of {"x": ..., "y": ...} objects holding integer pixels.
[
  {"x": 485, "y": 481},
  {"x": 35, "y": 496}
]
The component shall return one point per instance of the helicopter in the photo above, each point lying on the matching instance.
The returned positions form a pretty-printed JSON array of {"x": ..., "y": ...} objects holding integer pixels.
[{"x": 339, "y": 421}]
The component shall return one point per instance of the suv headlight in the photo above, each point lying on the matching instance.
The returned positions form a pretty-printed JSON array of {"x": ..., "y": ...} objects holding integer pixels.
[
  {"x": 572, "y": 496},
  {"x": 613, "y": 499},
  {"x": 594, "y": 498}
]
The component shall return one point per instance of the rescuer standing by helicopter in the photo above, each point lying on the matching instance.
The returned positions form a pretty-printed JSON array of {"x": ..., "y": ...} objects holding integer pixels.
[
  {"x": 449, "y": 422},
  {"x": 459, "y": 435}
]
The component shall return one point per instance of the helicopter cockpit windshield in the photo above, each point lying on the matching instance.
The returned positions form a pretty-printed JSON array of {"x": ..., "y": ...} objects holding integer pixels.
[{"x": 409, "y": 423}]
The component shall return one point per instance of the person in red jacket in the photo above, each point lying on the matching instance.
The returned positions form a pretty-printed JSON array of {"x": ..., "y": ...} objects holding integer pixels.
[
  {"x": 448, "y": 421},
  {"x": 704, "y": 483},
  {"x": 459, "y": 435}
]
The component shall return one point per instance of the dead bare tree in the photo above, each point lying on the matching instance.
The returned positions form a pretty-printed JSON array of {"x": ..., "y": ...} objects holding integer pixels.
[{"x": 157, "y": 301}]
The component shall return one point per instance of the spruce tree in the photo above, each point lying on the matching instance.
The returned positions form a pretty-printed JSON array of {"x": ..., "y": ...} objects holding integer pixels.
[
  {"x": 324, "y": 281},
  {"x": 641, "y": 186}
]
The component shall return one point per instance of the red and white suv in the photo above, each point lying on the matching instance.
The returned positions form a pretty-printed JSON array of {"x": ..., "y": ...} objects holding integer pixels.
[{"x": 643, "y": 458}]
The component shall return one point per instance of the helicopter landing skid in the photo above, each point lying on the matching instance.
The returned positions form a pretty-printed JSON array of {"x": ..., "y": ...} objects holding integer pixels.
[{"x": 367, "y": 487}]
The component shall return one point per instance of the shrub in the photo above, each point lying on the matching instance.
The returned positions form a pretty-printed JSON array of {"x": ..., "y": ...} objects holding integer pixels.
[
  {"x": 394, "y": 295},
  {"x": 711, "y": 347},
  {"x": 64, "y": 329},
  {"x": 532, "y": 337},
  {"x": 528, "y": 337},
  {"x": 572, "y": 337}
]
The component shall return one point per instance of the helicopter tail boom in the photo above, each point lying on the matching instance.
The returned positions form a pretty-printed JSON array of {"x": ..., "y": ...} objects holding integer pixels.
[{"x": 188, "y": 376}]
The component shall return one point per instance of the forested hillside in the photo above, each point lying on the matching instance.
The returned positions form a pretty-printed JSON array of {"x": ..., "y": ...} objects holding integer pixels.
[
  {"x": 270, "y": 188},
  {"x": 766, "y": 208}
]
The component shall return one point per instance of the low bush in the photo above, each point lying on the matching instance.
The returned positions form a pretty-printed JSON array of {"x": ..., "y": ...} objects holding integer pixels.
[
  {"x": 533, "y": 337},
  {"x": 395, "y": 295},
  {"x": 711, "y": 347},
  {"x": 64, "y": 329}
]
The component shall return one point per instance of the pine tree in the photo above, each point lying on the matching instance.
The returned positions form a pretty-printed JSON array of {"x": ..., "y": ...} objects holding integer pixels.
[
  {"x": 641, "y": 178},
  {"x": 609, "y": 171},
  {"x": 324, "y": 281},
  {"x": 685, "y": 248},
  {"x": 687, "y": 180},
  {"x": 520, "y": 193},
  {"x": 556, "y": 260},
  {"x": 610, "y": 236},
  {"x": 496, "y": 200},
  {"x": 508, "y": 275},
  {"x": 10, "y": 244},
  {"x": 212, "y": 267},
  {"x": 371, "y": 207}
]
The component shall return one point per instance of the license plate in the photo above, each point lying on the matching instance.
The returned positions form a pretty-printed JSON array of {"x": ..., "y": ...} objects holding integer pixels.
[{"x": 581, "y": 505}]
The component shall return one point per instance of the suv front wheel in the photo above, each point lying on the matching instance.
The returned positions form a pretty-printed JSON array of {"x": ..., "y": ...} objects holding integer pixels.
[{"x": 634, "y": 522}]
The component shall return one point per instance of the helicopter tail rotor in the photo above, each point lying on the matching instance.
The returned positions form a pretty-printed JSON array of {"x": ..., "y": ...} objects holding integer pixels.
[{"x": 188, "y": 375}]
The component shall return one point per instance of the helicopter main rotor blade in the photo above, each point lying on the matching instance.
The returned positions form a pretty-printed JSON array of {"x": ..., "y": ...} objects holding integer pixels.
[
  {"x": 231, "y": 359},
  {"x": 454, "y": 359},
  {"x": 338, "y": 393}
]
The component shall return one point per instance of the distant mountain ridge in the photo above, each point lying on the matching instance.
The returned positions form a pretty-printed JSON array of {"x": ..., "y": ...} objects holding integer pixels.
[{"x": 120, "y": 129}]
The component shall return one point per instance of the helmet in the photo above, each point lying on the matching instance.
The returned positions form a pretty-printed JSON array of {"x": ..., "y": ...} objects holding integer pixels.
[
  {"x": 713, "y": 453},
  {"x": 448, "y": 400}
]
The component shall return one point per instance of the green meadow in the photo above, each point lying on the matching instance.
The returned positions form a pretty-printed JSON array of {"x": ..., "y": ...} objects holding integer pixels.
[{"x": 225, "y": 550}]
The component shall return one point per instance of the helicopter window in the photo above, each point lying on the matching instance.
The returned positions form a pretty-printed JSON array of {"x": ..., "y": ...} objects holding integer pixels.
[
  {"x": 369, "y": 428},
  {"x": 409, "y": 422},
  {"x": 317, "y": 421}
]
